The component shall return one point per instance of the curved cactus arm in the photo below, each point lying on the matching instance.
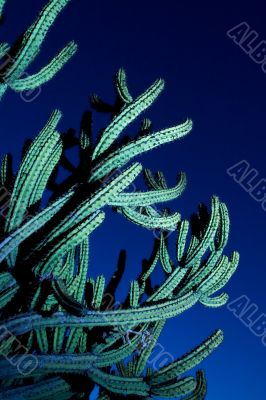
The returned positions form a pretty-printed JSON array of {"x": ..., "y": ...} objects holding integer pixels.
[
  {"x": 229, "y": 270},
  {"x": 201, "y": 388},
  {"x": 165, "y": 259},
  {"x": 117, "y": 384},
  {"x": 143, "y": 278},
  {"x": 98, "y": 291},
  {"x": 188, "y": 361},
  {"x": 49, "y": 388},
  {"x": 209, "y": 234},
  {"x": 181, "y": 387},
  {"x": 214, "y": 302},
  {"x": 33, "y": 39},
  {"x": 159, "y": 222},
  {"x": 150, "y": 180},
  {"x": 223, "y": 233},
  {"x": 127, "y": 115},
  {"x": 134, "y": 294},
  {"x": 48, "y": 72},
  {"x": 181, "y": 239},
  {"x": 71, "y": 239},
  {"x": 38, "y": 191},
  {"x": 146, "y": 143},
  {"x": 143, "y": 199},
  {"x": 6, "y": 170},
  {"x": 146, "y": 352},
  {"x": 99, "y": 199},
  {"x": 152, "y": 313},
  {"x": 121, "y": 86},
  {"x": 4, "y": 47},
  {"x": 34, "y": 224},
  {"x": 8, "y": 288},
  {"x": 166, "y": 289},
  {"x": 83, "y": 270},
  {"x": 29, "y": 172}
]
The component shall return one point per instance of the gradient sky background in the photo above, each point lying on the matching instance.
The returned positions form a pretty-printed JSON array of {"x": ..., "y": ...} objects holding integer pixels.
[{"x": 208, "y": 78}]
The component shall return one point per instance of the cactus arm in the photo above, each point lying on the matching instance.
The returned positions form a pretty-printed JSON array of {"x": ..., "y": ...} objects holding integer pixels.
[
  {"x": 179, "y": 388},
  {"x": 35, "y": 223},
  {"x": 98, "y": 291},
  {"x": 30, "y": 169},
  {"x": 201, "y": 389},
  {"x": 121, "y": 86},
  {"x": 134, "y": 386},
  {"x": 34, "y": 37},
  {"x": 146, "y": 143},
  {"x": 145, "y": 354},
  {"x": 4, "y": 47},
  {"x": 214, "y": 302},
  {"x": 189, "y": 360},
  {"x": 209, "y": 235},
  {"x": 46, "y": 73},
  {"x": 72, "y": 239},
  {"x": 160, "y": 222},
  {"x": 181, "y": 239},
  {"x": 149, "y": 198},
  {"x": 134, "y": 294},
  {"x": 165, "y": 259},
  {"x": 128, "y": 114},
  {"x": 47, "y": 388}
]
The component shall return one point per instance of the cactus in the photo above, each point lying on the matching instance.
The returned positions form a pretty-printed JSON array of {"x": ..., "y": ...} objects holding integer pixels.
[
  {"x": 51, "y": 309},
  {"x": 18, "y": 58}
]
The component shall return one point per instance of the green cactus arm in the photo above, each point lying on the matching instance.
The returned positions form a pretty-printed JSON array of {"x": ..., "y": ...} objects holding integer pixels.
[
  {"x": 113, "y": 383},
  {"x": 42, "y": 340},
  {"x": 229, "y": 271},
  {"x": 73, "y": 340},
  {"x": 98, "y": 291},
  {"x": 188, "y": 361},
  {"x": 127, "y": 115},
  {"x": 201, "y": 389},
  {"x": 34, "y": 37},
  {"x": 8, "y": 294},
  {"x": 97, "y": 201},
  {"x": 46, "y": 388},
  {"x": 151, "y": 182},
  {"x": 209, "y": 234},
  {"x": 6, "y": 170},
  {"x": 223, "y": 232},
  {"x": 167, "y": 288},
  {"x": 159, "y": 222},
  {"x": 151, "y": 197},
  {"x": 4, "y": 47},
  {"x": 215, "y": 275},
  {"x": 48, "y": 72},
  {"x": 214, "y": 263},
  {"x": 46, "y": 173},
  {"x": 121, "y": 86},
  {"x": 58, "y": 337},
  {"x": 161, "y": 180},
  {"x": 146, "y": 143},
  {"x": 79, "y": 233},
  {"x": 34, "y": 224},
  {"x": 181, "y": 387},
  {"x": 147, "y": 274},
  {"x": 214, "y": 302},
  {"x": 181, "y": 239},
  {"x": 30, "y": 169},
  {"x": 134, "y": 294},
  {"x": 151, "y": 313},
  {"x": 165, "y": 259},
  {"x": 83, "y": 270},
  {"x": 146, "y": 352}
]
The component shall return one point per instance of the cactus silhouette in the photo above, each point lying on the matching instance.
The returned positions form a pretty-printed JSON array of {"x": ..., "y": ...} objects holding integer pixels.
[{"x": 61, "y": 330}]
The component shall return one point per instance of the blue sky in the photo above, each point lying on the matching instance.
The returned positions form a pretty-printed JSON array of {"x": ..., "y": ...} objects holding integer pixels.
[{"x": 210, "y": 79}]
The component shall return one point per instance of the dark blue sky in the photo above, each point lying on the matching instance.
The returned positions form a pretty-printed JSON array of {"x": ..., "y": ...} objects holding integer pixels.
[{"x": 208, "y": 78}]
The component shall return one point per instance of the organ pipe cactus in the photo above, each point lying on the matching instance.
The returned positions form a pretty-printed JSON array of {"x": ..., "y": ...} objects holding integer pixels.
[
  {"x": 52, "y": 310},
  {"x": 17, "y": 59}
]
